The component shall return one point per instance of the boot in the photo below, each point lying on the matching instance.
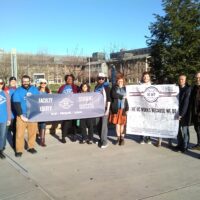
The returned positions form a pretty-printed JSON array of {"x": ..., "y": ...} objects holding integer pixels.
[
  {"x": 117, "y": 141},
  {"x": 121, "y": 141},
  {"x": 2, "y": 156},
  {"x": 42, "y": 138}
]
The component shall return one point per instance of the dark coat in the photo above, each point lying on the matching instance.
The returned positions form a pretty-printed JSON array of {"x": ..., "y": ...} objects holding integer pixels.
[
  {"x": 184, "y": 107},
  {"x": 195, "y": 104},
  {"x": 114, "y": 101}
]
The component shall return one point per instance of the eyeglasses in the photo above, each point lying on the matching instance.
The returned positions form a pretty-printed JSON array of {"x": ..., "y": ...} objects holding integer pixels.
[
  {"x": 101, "y": 78},
  {"x": 43, "y": 83},
  {"x": 1, "y": 83}
]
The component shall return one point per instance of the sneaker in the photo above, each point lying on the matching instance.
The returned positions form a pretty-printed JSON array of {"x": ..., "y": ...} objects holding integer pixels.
[
  {"x": 18, "y": 154},
  {"x": 82, "y": 142},
  {"x": 142, "y": 142},
  {"x": 2, "y": 156},
  {"x": 32, "y": 150},
  {"x": 104, "y": 146},
  {"x": 149, "y": 142}
]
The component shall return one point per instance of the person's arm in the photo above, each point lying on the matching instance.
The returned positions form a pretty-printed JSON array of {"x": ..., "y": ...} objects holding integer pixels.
[
  {"x": 114, "y": 94},
  {"x": 185, "y": 103},
  {"x": 108, "y": 100},
  {"x": 17, "y": 106}
]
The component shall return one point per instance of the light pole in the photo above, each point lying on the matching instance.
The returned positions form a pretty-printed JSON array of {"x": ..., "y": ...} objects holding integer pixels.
[
  {"x": 13, "y": 62},
  {"x": 89, "y": 71}
]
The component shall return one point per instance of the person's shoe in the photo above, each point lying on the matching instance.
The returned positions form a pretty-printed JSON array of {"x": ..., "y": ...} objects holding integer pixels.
[
  {"x": 184, "y": 150},
  {"x": 18, "y": 154},
  {"x": 104, "y": 146},
  {"x": 196, "y": 147},
  {"x": 42, "y": 143},
  {"x": 63, "y": 140},
  {"x": 177, "y": 148},
  {"x": 142, "y": 142},
  {"x": 89, "y": 142},
  {"x": 82, "y": 142},
  {"x": 32, "y": 150},
  {"x": 2, "y": 156},
  {"x": 74, "y": 138},
  {"x": 149, "y": 142},
  {"x": 116, "y": 141},
  {"x": 122, "y": 142}
]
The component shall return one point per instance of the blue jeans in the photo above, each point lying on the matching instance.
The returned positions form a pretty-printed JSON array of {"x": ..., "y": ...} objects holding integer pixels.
[
  {"x": 3, "y": 135},
  {"x": 183, "y": 137}
]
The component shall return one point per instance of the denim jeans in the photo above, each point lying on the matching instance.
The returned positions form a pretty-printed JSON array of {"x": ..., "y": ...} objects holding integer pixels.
[
  {"x": 3, "y": 135},
  {"x": 183, "y": 137}
]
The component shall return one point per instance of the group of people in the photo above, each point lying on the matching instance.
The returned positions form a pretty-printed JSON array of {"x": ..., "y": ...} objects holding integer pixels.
[
  {"x": 189, "y": 112},
  {"x": 13, "y": 112}
]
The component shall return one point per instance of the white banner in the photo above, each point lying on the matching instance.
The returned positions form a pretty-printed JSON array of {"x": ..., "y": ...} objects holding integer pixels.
[{"x": 153, "y": 110}]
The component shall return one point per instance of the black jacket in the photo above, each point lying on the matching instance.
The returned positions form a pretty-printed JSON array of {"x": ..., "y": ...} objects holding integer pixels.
[
  {"x": 184, "y": 107},
  {"x": 195, "y": 104},
  {"x": 114, "y": 101}
]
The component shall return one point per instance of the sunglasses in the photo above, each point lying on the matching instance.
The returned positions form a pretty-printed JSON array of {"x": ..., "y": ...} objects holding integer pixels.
[
  {"x": 101, "y": 78},
  {"x": 43, "y": 83},
  {"x": 1, "y": 83}
]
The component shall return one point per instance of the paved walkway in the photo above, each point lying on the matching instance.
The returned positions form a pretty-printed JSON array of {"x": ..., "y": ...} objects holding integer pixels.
[{"x": 85, "y": 172}]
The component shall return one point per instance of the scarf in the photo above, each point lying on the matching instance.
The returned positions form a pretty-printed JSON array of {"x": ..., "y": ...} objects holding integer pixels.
[{"x": 121, "y": 92}]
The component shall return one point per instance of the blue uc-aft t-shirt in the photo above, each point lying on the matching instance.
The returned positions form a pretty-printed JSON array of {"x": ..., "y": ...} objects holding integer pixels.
[
  {"x": 3, "y": 108},
  {"x": 67, "y": 89},
  {"x": 20, "y": 96}
]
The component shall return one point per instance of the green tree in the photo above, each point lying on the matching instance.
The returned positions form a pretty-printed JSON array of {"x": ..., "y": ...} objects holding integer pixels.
[{"x": 175, "y": 40}]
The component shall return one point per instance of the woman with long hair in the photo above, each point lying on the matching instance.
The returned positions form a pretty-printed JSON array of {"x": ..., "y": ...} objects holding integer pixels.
[
  {"x": 43, "y": 89},
  {"x": 119, "y": 108}
]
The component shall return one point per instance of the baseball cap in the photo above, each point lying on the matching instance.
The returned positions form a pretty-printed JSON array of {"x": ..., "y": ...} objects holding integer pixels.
[
  {"x": 101, "y": 74},
  {"x": 12, "y": 78},
  {"x": 42, "y": 80}
]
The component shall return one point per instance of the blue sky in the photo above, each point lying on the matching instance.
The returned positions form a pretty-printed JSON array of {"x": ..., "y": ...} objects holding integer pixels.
[{"x": 75, "y": 27}]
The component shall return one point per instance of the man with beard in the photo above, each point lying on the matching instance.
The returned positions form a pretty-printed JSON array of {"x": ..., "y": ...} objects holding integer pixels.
[{"x": 19, "y": 102}]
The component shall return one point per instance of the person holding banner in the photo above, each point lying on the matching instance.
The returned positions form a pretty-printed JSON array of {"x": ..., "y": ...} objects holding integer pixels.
[
  {"x": 11, "y": 89},
  {"x": 195, "y": 109},
  {"x": 43, "y": 89},
  {"x": 19, "y": 102},
  {"x": 119, "y": 108},
  {"x": 86, "y": 122},
  {"x": 145, "y": 80},
  {"x": 68, "y": 87},
  {"x": 5, "y": 117},
  {"x": 184, "y": 115},
  {"x": 102, "y": 122}
]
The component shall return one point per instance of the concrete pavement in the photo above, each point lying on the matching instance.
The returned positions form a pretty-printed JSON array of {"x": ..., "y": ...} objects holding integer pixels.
[{"x": 79, "y": 171}]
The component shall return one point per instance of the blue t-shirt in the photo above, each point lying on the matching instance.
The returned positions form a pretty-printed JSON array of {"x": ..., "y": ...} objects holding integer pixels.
[
  {"x": 67, "y": 89},
  {"x": 20, "y": 96},
  {"x": 3, "y": 108}
]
